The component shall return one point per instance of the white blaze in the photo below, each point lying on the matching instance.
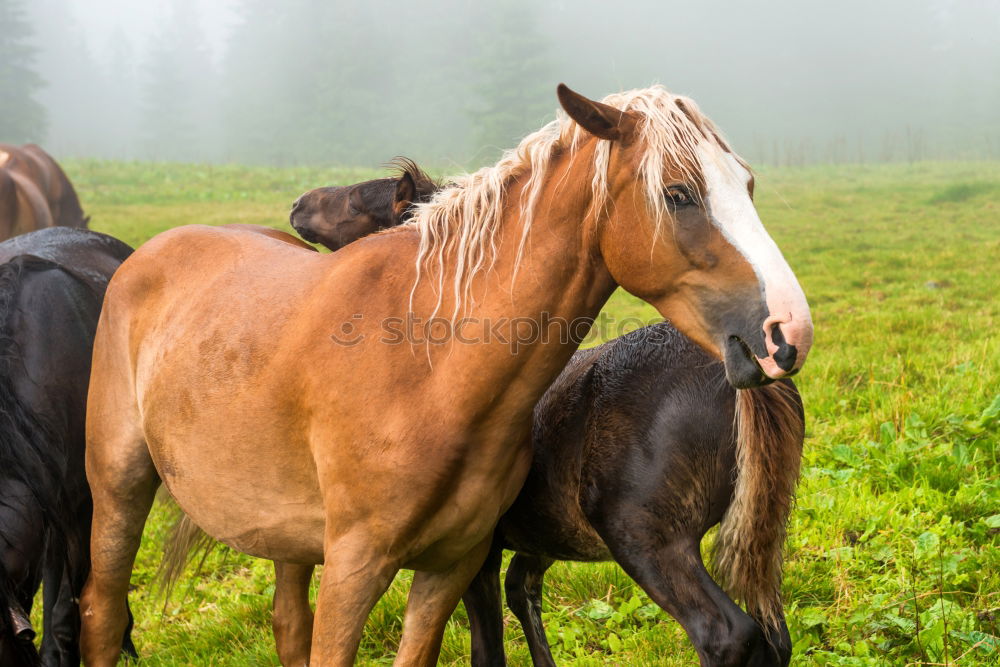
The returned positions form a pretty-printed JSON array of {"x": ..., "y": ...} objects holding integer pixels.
[{"x": 733, "y": 212}]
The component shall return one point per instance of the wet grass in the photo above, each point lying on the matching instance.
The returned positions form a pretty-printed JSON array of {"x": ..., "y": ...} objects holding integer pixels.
[{"x": 892, "y": 555}]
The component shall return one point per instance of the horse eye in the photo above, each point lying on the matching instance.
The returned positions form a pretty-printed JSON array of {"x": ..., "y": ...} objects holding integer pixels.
[{"x": 679, "y": 196}]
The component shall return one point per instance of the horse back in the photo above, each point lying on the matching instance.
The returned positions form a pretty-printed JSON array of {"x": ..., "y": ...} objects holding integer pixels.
[{"x": 91, "y": 256}]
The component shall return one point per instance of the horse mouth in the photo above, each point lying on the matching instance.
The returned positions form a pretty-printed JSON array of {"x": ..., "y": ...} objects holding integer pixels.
[
  {"x": 742, "y": 369},
  {"x": 304, "y": 231}
]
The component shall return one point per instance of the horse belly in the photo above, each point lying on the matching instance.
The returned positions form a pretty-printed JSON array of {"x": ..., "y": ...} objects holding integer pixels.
[{"x": 263, "y": 501}]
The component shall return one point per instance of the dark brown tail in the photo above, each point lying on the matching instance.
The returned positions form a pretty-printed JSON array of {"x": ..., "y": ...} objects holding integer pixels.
[
  {"x": 185, "y": 539},
  {"x": 748, "y": 550}
]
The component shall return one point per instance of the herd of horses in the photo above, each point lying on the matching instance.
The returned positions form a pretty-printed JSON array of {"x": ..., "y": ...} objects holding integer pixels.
[{"x": 208, "y": 361}]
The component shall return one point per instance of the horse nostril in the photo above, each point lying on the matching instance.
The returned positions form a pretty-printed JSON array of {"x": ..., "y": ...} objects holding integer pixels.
[{"x": 785, "y": 355}]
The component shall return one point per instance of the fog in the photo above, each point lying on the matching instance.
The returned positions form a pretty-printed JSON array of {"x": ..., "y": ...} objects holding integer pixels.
[{"x": 450, "y": 83}]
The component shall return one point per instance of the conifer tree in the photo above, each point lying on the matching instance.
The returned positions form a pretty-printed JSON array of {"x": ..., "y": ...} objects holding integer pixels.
[{"x": 22, "y": 117}]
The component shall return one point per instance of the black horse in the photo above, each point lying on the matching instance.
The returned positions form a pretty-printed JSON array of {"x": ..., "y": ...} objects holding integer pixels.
[
  {"x": 52, "y": 284},
  {"x": 641, "y": 446}
]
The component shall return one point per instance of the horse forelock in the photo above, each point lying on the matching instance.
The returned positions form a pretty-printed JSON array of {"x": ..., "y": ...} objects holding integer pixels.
[
  {"x": 426, "y": 186},
  {"x": 462, "y": 219}
]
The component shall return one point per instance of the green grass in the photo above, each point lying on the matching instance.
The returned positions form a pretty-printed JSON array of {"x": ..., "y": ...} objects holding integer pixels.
[{"x": 893, "y": 550}]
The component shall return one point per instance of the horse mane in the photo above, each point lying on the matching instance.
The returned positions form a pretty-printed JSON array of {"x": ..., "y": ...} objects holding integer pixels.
[{"x": 463, "y": 218}]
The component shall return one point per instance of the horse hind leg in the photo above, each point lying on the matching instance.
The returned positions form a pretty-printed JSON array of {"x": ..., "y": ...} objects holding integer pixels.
[
  {"x": 67, "y": 563},
  {"x": 124, "y": 482},
  {"x": 62, "y": 582},
  {"x": 484, "y": 607},
  {"x": 525, "y": 577},
  {"x": 292, "y": 620}
]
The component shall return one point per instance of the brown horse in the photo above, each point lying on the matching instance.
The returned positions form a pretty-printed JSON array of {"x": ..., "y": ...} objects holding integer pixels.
[
  {"x": 298, "y": 415},
  {"x": 639, "y": 448},
  {"x": 35, "y": 193},
  {"x": 337, "y": 215}
]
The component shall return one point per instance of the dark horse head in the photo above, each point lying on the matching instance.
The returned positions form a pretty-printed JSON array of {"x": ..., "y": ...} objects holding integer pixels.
[
  {"x": 52, "y": 285},
  {"x": 337, "y": 215}
]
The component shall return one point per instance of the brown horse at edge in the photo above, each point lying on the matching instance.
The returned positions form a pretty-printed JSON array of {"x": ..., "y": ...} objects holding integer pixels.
[
  {"x": 35, "y": 192},
  {"x": 222, "y": 362}
]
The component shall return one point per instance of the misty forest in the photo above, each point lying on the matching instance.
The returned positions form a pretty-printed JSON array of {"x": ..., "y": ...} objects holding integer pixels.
[{"x": 451, "y": 82}]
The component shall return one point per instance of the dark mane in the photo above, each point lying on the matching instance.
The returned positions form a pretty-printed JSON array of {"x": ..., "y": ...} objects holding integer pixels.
[{"x": 426, "y": 186}]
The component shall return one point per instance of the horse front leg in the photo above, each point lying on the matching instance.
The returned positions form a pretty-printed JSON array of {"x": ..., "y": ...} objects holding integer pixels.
[
  {"x": 524, "y": 597},
  {"x": 433, "y": 597},
  {"x": 292, "y": 619},
  {"x": 356, "y": 572},
  {"x": 673, "y": 575},
  {"x": 484, "y": 606}
]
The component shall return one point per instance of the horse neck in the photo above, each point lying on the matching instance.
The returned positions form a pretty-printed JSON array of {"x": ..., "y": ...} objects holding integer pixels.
[{"x": 561, "y": 278}]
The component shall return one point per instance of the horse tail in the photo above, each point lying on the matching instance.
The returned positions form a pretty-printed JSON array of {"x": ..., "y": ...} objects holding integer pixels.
[
  {"x": 770, "y": 428},
  {"x": 184, "y": 541},
  {"x": 8, "y": 202},
  {"x": 70, "y": 211},
  {"x": 26, "y": 438}
]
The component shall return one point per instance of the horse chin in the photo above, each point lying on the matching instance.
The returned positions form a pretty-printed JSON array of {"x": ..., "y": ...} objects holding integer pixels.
[
  {"x": 742, "y": 369},
  {"x": 305, "y": 232}
]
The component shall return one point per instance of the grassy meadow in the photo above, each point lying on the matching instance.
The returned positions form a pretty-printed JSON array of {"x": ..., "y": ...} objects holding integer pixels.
[{"x": 893, "y": 552}]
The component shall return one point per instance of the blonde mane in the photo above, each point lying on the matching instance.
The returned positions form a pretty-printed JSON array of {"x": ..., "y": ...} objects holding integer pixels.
[{"x": 462, "y": 220}]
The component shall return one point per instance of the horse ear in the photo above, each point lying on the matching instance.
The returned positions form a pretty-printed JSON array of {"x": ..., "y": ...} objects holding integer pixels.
[
  {"x": 406, "y": 192},
  {"x": 601, "y": 120}
]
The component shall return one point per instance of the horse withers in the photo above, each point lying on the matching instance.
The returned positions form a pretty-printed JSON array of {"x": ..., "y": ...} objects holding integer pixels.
[
  {"x": 267, "y": 388},
  {"x": 337, "y": 215},
  {"x": 35, "y": 192},
  {"x": 52, "y": 283},
  {"x": 647, "y": 425}
]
